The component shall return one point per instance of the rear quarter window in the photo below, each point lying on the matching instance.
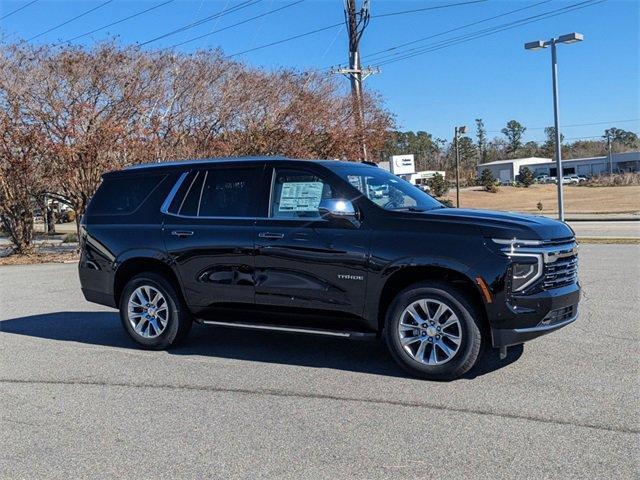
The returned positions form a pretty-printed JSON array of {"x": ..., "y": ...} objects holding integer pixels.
[{"x": 123, "y": 195}]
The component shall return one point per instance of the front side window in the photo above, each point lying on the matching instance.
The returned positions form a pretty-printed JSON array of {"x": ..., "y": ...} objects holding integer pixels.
[
  {"x": 387, "y": 190},
  {"x": 297, "y": 194}
]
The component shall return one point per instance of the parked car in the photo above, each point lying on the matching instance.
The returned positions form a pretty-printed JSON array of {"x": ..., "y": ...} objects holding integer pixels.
[
  {"x": 299, "y": 246},
  {"x": 570, "y": 180},
  {"x": 542, "y": 178}
]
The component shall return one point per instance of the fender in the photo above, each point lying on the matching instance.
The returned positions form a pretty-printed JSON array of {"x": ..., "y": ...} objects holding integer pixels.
[
  {"x": 379, "y": 280},
  {"x": 136, "y": 254}
]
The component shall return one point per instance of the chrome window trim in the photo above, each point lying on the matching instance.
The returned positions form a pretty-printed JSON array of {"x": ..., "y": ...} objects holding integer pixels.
[
  {"x": 172, "y": 193},
  {"x": 186, "y": 194},
  {"x": 273, "y": 182},
  {"x": 204, "y": 181}
]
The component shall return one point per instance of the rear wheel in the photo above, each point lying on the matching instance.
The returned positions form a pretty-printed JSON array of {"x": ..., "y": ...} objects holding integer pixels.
[
  {"x": 152, "y": 312},
  {"x": 433, "y": 331}
]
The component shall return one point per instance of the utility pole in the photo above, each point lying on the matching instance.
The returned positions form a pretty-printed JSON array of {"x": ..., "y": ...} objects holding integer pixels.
[
  {"x": 457, "y": 132},
  {"x": 609, "y": 152},
  {"x": 357, "y": 21}
]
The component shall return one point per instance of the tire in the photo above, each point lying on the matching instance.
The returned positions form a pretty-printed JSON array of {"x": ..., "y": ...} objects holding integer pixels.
[
  {"x": 450, "y": 360},
  {"x": 171, "y": 321}
]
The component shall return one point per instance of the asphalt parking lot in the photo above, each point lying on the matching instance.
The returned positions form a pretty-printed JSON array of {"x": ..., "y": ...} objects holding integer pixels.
[{"x": 77, "y": 399}]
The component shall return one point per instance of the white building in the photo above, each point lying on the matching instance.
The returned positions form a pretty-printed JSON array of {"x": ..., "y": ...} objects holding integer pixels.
[{"x": 508, "y": 170}]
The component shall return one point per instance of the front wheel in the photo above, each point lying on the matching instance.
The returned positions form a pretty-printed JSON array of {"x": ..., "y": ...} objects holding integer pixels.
[
  {"x": 152, "y": 312},
  {"x": 433, "y": 331}
]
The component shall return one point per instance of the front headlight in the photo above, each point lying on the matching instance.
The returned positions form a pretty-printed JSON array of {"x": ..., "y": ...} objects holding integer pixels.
[
  {"x": 524, "y": 272},
  {"x": 526, "y": 267}
]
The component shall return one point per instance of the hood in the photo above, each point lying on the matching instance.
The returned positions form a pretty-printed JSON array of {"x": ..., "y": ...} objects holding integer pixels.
[{"x": 504, "y": 224}]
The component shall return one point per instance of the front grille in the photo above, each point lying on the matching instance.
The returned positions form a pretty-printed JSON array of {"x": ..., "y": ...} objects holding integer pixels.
[
  {"x": 558, "y": 241},
  {"x": 559, "y": 315},
  {"x": 561, "y": 273}
]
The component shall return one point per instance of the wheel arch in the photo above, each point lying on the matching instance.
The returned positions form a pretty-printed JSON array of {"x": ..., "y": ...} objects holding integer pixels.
[
  {"x": 408, "y": 275},
  {"x": 133, "y": 266}
]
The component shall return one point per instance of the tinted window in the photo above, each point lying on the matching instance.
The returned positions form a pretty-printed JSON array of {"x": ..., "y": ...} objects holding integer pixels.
[
  {"x": 298, "y": 194},
  {"x": 122, "y": 195},
  {"x": 387, "y": 190},
  {"x": 228, "y": 193},
  {"x": 174, "y": 207},
  {"x": 189, "y": 205}
]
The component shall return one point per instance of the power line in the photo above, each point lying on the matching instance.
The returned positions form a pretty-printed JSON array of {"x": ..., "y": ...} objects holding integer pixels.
[
  {"x": 328, "y": 27},
  {"x": 222, "y": 13},
  {"x": 288, "y": 39},
  {"x": 116, "y": 22},
  {"x": 475, "y": 34},
  {"x": 17, "y": 10},
  {"x": 71, "y": 20},
  {"x": 492, "y": 31},
  {"x": 193, "y": 39},
  {"x": 416, "y": 10},
  {"x": 395, "y": 47}
]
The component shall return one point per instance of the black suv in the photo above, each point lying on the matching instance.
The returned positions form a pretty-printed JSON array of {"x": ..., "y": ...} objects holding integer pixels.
[{"x": 325, "y": 247}]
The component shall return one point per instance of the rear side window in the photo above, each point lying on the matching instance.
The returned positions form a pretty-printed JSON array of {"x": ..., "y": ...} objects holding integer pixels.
[
  {"x": 189, "y": 206},
  {"x": 123, "y": 195},
  {"x": 228, "y": 193},
  {"x": 217, "y": 193}
]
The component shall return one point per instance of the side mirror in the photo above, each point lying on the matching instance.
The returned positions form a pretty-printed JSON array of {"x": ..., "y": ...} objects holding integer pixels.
[{"x": 338, "y": 209}]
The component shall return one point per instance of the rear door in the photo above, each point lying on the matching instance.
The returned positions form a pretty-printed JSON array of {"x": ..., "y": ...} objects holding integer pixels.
[
  {"x": 303, "y": 260},
  {"x": 209, "y": 231}
]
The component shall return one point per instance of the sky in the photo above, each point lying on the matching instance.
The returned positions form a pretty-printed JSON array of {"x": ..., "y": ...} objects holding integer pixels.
[{"x": 490, "y": 77}]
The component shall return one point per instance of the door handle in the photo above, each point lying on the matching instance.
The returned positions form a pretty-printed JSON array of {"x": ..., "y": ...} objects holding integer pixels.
[
  {"x": 271, "y": 235},
  {"x": 182, "y": 233}
]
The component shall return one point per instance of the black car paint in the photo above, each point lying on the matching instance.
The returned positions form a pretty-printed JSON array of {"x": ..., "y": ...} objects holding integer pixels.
[{"x": 318, "y": 266}]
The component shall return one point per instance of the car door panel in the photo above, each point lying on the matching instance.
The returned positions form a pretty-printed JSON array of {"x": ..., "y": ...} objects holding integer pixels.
[
  {"x": 311, "y": 263},
  {"x": 215, "y": 263},
  {"x": 212, "y": 246}
]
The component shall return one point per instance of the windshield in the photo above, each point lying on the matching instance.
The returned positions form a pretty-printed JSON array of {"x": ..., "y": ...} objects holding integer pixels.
[{"x": 387, "y": 190}]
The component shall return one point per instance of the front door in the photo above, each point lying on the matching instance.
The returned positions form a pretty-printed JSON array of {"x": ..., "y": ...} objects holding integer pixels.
[
  {"x": 303, "y": 260},
  {"x": 209, "y": 230}
]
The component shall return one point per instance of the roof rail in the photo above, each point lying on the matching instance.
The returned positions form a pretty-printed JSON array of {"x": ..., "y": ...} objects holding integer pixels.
[{"x": 373, "y": 164}]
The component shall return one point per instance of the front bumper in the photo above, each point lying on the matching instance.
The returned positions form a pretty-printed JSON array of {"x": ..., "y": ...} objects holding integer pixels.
[{"x": 504, "y": 337}]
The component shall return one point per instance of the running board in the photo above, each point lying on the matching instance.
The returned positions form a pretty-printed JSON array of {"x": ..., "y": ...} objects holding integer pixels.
[{"x": 280, "y": 328}]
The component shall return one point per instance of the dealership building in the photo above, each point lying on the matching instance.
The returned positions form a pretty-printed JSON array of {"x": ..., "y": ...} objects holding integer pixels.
[{"x": 507, "y": 170}]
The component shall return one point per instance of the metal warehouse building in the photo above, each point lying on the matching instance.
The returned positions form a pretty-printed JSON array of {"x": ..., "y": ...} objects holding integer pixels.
[{"x": 507, "y": 170}]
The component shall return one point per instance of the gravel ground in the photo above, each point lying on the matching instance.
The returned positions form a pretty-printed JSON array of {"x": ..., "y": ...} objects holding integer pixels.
[{"x": 78, "y": 400}]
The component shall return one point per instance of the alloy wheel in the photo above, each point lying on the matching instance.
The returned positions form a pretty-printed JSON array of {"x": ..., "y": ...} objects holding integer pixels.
[
  {"x": 429, "y": 332},
  {"x": 148, "y": 311}
]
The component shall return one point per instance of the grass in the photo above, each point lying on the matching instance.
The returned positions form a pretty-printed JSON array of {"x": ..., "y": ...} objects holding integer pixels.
[
  {"x": 611, "y": 240},
  {"x": 584, "y": 200}
]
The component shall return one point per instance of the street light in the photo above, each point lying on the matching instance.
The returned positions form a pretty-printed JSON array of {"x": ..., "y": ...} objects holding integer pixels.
[
  {"x": 537, "y": 45},
  {"x": 458, "y": 131}
]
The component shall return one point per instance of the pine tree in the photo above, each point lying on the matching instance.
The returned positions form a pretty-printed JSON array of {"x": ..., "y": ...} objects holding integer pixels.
[{"x": 526, "y": 177}]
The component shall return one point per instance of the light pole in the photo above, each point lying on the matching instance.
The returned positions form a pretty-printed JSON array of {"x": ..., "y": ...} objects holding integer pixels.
[
  {"x": 537, "y": 45},
  {"x": 457, "y": 132},
  {"x": 609, "y": 152}
]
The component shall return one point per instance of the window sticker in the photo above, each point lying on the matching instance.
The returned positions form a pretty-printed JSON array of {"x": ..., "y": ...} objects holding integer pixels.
[{"x": 300, "y": 196}]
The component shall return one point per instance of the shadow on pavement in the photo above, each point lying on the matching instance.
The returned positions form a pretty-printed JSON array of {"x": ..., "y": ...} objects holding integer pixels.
[{"x": 104, "y": 328}]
